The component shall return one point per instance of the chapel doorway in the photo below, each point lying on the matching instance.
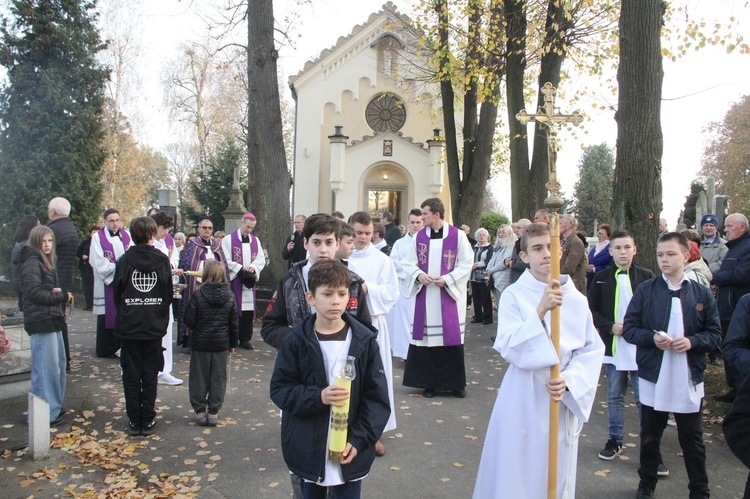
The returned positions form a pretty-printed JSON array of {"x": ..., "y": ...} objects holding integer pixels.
[
  {"x": 386, "y": 188},
  {"x": 384, "y": 200}
]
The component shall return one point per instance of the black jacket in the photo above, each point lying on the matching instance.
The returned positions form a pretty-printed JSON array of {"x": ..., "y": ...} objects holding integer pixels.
[
  {"x": 736, "y": 347},
  {"x": 288, "y": 306},
  {"x": 212, "y": 316},
  {"x": 15, "y": 265},
  {"x": 601, "y": 297},
  {"x": 737, "y": 423},
  {"x": 298, "y": 253},
  {"x": 733, "y": 277},
  {"x": 649, "y": 311},
  {"x": 66, "y": 247},
  {"x": 143, "y": 293},
  {"x": 42, "y": 308},
  {"x": 392, "y": 234},
  {"x": 299, "y": 377},
  {"x": 517, "y": 266}
]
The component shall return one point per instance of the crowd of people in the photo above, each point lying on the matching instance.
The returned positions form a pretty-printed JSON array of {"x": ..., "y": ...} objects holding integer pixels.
[{"x": 361, "y": 292}]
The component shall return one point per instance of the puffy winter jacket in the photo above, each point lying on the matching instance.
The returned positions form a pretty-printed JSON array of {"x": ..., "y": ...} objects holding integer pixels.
[
  {"x": 212, "y": 316},
  {"x": 66, "y": 246},
  {"x": 42, "y": 308},
  {"x": 298, "y": 378}
]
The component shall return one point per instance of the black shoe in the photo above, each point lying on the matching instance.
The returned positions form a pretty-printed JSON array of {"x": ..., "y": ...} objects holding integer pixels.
[
  {"x": 134, "y": 429},
  {"x": 726, "y": 397},
  {"x": 460, "y": 394},
  {"x": 645, "y": 492},
  {"x": 662, "y": 470},
  {"x": 246, "y": 345},
  {"x": 148, "y": 428},
  {"x": 476, "y": 321},
  {"x": 611, "y": 450},
  {"x": 428, "y": 394},
  {"x": 59, "y": 419}
]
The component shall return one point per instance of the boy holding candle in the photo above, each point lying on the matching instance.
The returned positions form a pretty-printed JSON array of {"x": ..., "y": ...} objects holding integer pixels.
[{"x": 302, "y": 386}]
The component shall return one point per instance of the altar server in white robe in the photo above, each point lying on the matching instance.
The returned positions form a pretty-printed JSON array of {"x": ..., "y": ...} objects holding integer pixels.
[
  {"x": 164, "y": 242},
  {"x": 401, "y": 315},
  {"x": 107, "y": 246},
  {"x": 437, "y": 268},
  {"x": 381, "y": 283},
  {"x": 514, "y": 459}
]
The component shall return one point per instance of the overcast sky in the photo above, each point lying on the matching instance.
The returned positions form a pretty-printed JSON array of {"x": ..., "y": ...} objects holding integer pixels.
[{"x": 698, "y": 88}]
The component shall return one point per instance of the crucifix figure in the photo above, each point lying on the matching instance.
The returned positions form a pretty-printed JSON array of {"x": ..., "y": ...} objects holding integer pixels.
[{"x": 552, "y": 122}]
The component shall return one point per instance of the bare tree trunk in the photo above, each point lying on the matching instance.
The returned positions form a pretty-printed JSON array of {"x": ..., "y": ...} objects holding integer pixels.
[
  {"x": 447, "y": 97},
  {"x": 555, "y": 48},
  {"x": 636, "y": 197},
  {"x": 520, "y": 177},
  {"x": 268, "y": 178}
]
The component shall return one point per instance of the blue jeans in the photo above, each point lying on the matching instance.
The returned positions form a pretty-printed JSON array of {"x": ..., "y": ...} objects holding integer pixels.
[
  {"x": 48, "y": 369},
  {"x": 347, "y": 490},
  {"x": 617, "y": 387}
]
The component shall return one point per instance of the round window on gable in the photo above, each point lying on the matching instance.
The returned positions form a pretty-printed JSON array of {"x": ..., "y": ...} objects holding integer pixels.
[{"x": 386, "y": 112}]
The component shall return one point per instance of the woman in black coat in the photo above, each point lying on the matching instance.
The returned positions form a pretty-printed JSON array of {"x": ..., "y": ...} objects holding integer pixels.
[{"x": 44, "y": 319}]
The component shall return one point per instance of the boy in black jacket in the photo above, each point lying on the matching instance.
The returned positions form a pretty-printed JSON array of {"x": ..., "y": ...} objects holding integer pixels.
[
  {"x": 674, "y": 323},
  {"x": 143, "y": 294},
  {"x": 288, "y": 306},
  {"x": 302, "y": 386},
  {"x": 609, "y": 295}
]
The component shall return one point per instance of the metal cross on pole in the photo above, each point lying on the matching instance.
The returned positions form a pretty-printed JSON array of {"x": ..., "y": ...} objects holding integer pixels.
[{"x": 552, "y": 122}]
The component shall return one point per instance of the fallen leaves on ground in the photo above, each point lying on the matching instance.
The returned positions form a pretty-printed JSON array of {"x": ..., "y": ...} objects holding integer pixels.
[
  {"x": 113, "y": 453},
  {"x": 602, "y": 473}
]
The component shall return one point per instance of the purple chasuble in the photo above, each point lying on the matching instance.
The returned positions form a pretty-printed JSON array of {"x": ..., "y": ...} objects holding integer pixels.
[
  {"x": 169, "y": 241},
  {"x": 451, "y": 324},
  {"x": 236, "y": 283},
  {"x": 110, "y": 308}
]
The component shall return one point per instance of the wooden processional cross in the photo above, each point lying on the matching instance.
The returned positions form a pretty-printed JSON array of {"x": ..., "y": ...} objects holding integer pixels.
[{"x": 552, "y": 122}]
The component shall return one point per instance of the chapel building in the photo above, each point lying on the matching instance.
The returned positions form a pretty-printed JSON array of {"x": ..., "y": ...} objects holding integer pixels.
[{"x": 368, "y": 120}]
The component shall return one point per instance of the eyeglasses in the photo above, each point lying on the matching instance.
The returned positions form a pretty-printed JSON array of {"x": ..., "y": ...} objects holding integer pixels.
[{"x": 206, "y": 227}]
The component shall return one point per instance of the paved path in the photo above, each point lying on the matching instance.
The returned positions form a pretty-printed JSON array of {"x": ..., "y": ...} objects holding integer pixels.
[{"x": 434, "y": 452}]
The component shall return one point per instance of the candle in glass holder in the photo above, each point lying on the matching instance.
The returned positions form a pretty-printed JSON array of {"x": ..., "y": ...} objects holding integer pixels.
[{"x": 343, "y": 376}]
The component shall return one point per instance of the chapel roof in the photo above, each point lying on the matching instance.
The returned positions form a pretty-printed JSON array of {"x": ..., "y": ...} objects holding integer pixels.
[{"x": 387, "y": 8}]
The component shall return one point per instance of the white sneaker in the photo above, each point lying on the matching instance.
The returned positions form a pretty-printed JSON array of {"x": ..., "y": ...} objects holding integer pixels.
[{"x": 168, "y": 379}]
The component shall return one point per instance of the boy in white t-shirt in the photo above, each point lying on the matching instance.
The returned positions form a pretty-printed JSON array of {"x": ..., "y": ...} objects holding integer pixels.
[
  {"x": 302, "y": 386},
  {"x": 675, "y": 323}
]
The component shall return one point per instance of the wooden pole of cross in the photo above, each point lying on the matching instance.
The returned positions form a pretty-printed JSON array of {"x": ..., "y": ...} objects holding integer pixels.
[{"x": 552, "y": 122}]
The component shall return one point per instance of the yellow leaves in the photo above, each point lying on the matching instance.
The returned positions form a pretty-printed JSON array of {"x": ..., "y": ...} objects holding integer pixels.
[
  {"x": 394, "y": 468},
  {"x": 602, "y": 472},
  {"x": 458, "y": 465},
  {"x": 190, "y": 462}
]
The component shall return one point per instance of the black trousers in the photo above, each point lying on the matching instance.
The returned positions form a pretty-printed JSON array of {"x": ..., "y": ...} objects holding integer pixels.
[
  {"x": 141, "y": 361},
  {"x": 87, "y": 279},
  {"x": 482, "y": 302},
  {"x": 246, "y": 326},
  {"x": 66, "y": 342},
  {"x": 106, "y": 341},
  {"x": 730, "y": 372},
  {"x": 690, "y": 436}
]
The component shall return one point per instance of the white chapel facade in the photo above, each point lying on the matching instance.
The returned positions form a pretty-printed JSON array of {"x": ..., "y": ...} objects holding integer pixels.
[{"x": 366, "y": 122}]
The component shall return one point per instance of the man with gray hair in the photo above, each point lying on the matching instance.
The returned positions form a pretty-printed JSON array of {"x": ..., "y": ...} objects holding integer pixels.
[
  {"x": 66, "y": 247},
  {"x": 573, "y": 261},
  {"x": 733, "y": 280}
]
